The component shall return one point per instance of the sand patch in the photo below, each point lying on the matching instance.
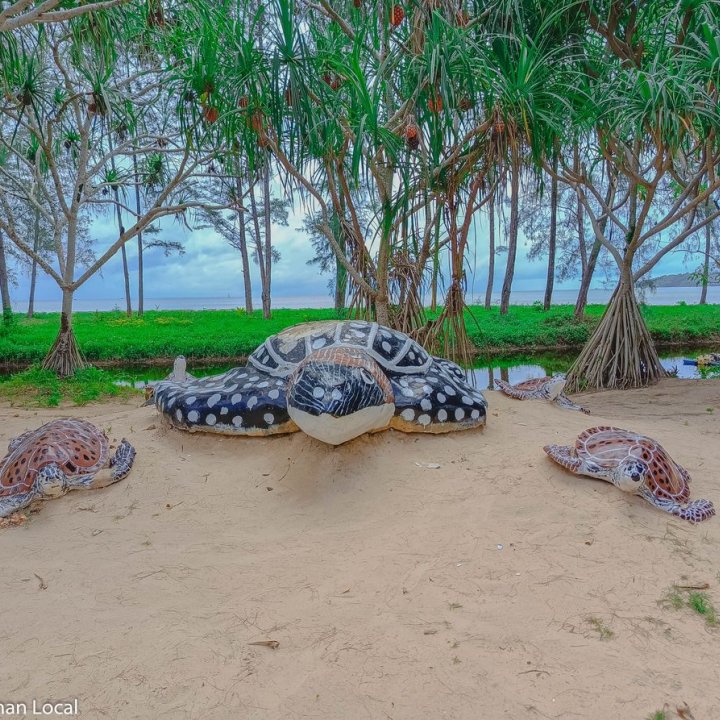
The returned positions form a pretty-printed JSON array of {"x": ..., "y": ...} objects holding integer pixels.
[{"x": 497, "y": 585}]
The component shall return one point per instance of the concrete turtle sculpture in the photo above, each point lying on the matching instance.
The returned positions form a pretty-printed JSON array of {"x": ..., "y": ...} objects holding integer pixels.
[
  {"x": 334, "y": 380},
  {"x": 543, "y": 388},
  {"x": 62, "y": 455},
  {"x": 635, "y": 464}
]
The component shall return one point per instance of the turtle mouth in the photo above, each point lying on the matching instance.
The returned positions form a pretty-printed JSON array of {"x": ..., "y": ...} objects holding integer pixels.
[{"x": 335, "y": 430}]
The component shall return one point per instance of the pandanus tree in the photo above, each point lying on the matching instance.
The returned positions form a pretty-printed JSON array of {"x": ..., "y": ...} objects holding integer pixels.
[
  {"x": 410, "y": 127},
  {"x": 648, "y": 98},
  {"x": 528, "y": 48},
  {"x": 62, "y": 94},
  {"x": 350, "y": 100}
]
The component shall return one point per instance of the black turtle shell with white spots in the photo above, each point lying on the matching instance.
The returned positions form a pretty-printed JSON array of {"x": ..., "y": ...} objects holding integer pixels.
[
  {"x": 430, "y": 394},
  {"x": 394, "y": 351}
]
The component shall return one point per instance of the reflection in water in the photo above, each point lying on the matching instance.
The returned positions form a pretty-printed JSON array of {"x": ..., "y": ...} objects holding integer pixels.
[
  {"x": 511, "y": 370},
  {"x": 483, "y": 377}
]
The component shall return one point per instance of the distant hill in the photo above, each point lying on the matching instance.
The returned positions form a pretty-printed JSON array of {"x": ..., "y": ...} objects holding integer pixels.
[{"x": 678, "y": 280}]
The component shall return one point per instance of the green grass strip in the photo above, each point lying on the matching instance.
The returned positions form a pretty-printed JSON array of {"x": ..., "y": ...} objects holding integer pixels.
[{"x": 207, "y": 334}]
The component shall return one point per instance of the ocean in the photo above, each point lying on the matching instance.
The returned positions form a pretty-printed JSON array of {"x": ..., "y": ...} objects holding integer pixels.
[{"x": 662, "y": 296}]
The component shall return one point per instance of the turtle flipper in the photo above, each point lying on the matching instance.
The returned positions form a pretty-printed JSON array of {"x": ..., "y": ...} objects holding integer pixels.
[
  {"x": 509, "y": 390},
  {"x": 12, "y": 503},
  {"x": 242, "y": 401},
  {"x": 17, "y": 441},
  {"x": 694, "y": 512},
  {"x": 122, "y": 461},
  {"x": 437, "y": 402},
  {"x": 566, "y": 456},
  {"x": 563, "y": 401}
]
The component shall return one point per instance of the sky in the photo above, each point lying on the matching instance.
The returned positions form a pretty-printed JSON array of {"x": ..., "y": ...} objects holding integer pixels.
[{"x": 210, "y": 268}]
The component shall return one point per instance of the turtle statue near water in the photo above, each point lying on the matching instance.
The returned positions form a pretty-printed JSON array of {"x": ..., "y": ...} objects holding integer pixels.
[
  {"x": 334, "y": 380},
  {"x": 635, "y": 464},
  {"x": 543, "y": 388},
  {"x": 62, "y": 455}
]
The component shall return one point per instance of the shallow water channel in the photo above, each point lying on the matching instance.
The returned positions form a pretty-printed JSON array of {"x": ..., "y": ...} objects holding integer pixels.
[{"x": 512, "y": 368}]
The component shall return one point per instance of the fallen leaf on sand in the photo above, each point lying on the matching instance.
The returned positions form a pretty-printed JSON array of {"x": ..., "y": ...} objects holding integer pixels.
[
  {"x": 43, "y": 584},
  {"x": 272, "y": 644},
  {"x": 684, "y": 712},
  {"x": 701, "y": 586},
  {"x": 14, "y": 520}
]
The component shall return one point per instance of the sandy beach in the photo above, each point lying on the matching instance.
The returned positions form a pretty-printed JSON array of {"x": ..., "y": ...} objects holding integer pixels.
[{"x": 496, "y": 585}]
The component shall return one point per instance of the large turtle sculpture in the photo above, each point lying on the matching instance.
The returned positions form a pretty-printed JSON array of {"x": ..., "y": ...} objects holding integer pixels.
[
  {"x": 62, "y": 455},
  {"x": 635, "y": 464},
  {"x": 543, "y": 388},
  {"x": 334, "y": 380}
]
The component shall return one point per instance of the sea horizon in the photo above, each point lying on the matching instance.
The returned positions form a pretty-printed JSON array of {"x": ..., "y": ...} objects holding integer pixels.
[{"x": 660, "y": 296}]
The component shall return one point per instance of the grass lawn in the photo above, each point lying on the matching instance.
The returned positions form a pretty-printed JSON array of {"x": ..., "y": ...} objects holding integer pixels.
[
  {"x": 226, "y": 335},
  {"x": 207, "y": 334},
  {"x": 42, "y": 388}
]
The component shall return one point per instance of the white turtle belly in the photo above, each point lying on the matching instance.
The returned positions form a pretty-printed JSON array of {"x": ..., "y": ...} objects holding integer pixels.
[{"x": 337, "y": 430}]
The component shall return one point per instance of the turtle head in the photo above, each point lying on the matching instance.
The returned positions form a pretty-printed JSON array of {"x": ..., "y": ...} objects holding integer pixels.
[
  {"x": 555, "y": 385},
  {"x": 630, "y": 475},
  {"x": 336, "y": 394},
  {"x": 51, "y": 482}
]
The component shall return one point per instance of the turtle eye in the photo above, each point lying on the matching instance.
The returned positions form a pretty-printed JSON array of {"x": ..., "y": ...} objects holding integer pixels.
[{"x": 367, "y": 378}]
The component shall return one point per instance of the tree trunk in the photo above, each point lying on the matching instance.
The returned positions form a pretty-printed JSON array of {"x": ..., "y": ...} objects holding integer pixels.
[
  {"x": 436, "y": 261},
  {"x": 64, "y": 357},
  {"x": 4, "y": 285},
  {"x": 341, "y": 276},
  {"x": 620, "y": 353},
  {"x": 434, "y": 281},
  {"x": 259, "y": 252},
  {"x": 591, "y": 261},
  {"x": 706, "y": 265},
  {"x": 491, "y": 255},
  {"x": 513, "y": 230},
  {"x": 33, "y": 271},
  {"x": 242, "y": 242},
  {"x": 121, "y": 230},
  {"x": 552, "y": 240},
  {"x": 382, "y": 301},
  {"x": 587, "y": 277},
  {"x": 268, "y": 240},
  {"x": 141, "y": 270},
  {"x": 126, "y": 275}
]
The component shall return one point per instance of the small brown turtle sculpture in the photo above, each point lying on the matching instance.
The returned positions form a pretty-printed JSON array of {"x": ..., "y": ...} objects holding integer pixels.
[
  {"x": 543, "y": 388},
  {"x": 62, "y": 455},
  {"x": 635, "y": 464}
]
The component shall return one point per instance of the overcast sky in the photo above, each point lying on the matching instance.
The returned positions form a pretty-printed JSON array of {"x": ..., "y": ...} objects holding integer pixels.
[{"x": 210, "y": 268}]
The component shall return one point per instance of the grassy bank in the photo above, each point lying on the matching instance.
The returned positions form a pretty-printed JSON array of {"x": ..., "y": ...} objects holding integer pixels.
[
  {"x": 220, "y": 334},
  {"x": 41, "y": 388}
]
